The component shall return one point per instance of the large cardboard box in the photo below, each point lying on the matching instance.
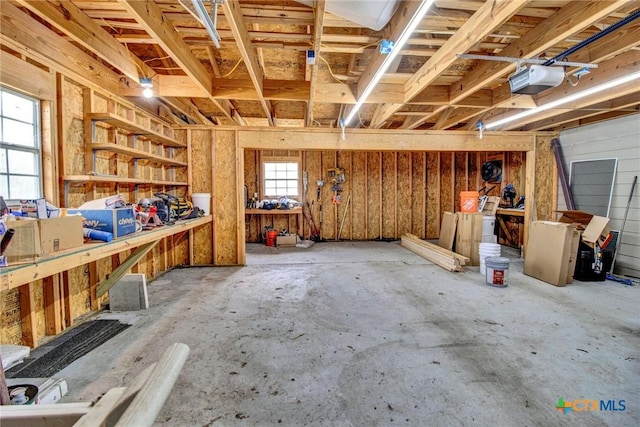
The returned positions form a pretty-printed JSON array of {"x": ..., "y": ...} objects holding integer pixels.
[
  {"x": 288, "y": 240},
  {"x": 596, "y": 228},
  {"x": 549, "y": 251},
  {"x": 119, "y": 222},
  {"x": 469, "y": 235},
  {"x": 58, "y": 234},
  {"x": 34, "y": 238}
]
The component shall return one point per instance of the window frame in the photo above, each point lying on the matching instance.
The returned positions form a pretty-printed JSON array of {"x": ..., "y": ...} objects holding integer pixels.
[
  {"x": 280, "y": 159},
  {"x": 36, "y": 150}
]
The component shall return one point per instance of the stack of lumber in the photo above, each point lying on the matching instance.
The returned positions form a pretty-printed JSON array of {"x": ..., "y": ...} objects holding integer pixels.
[{"x": 444, "y": 258}]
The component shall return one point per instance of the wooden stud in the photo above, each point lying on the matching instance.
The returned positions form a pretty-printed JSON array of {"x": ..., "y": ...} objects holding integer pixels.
[
  {"x": 52, "y": 305},
  {"x": 529, "y": 188},
  {"x": 395, "y": 196},
  {"x": 28, "y": 314},
  {"x": 66, "y": 298}
]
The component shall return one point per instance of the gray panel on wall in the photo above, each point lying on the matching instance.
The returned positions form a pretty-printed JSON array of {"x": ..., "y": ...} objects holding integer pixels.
[{"x": 591, "y": 183}]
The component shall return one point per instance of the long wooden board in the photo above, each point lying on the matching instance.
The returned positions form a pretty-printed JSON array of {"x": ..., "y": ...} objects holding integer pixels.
[
  {"x": 432, "y": 253},
  {"x": 448, "y": 230}
]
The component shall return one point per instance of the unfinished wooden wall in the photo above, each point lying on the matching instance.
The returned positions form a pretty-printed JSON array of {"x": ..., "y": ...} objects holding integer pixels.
[
  {"x": 391, "y": 193},
  {"x": 25, "y": 319}
]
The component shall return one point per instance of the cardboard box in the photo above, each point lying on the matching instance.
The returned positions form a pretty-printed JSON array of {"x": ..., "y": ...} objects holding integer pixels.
[
  {"x": 549, "y": 251},
  {"x": 58, "y": 234},
  {"x": 596, "y": 228},
  {"x": 34, "y": 238},
  {"x": 25, "y": 244},
  {"x": 119, "y": 222},
  {"x": 469, "y": 235},
  {"x": 573, "y": 254},
  {"x": 288, "y": 240}
]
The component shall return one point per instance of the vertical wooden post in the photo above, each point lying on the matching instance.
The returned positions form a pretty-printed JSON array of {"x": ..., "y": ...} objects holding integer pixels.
[
  {"x": 380, "y": 207},
  {"x": 66, "y": 297},
  {"x": 529, "y": 186},
  {"x": 93, "y": 284},
  {"x": 395, "y": 195},
  {"x": 52, "y": 305},
  {"x": 240, "y": 218},
  {"x": 424, "y": 193},
  {"x": 28, "y": 314}
]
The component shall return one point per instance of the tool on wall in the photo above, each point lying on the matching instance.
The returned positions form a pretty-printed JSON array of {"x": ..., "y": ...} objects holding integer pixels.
[
  {"x": 336, "y": 177},
  {"x": 344, "y": 216}
]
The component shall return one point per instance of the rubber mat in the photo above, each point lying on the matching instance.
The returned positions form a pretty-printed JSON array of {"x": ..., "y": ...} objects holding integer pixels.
[{"x": 55, "y": 355}]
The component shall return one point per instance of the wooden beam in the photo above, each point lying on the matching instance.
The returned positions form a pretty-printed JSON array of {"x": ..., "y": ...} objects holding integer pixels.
[
  {"x": 69, "y": 19},
  {"x": 235, "y": 20},
  {"x": 471, "y": 33},
  {"x": 569, "y": 20},
  {"x": 375, "y": 140},
  {"x": 123, "y": 268},
  {"x": 150, "y": 16},
  {"x": 318, "y": 25},
  {"x": 26, "y": 35},
  {"x": 26, "y": 77},
  {"x": 53, "y": 312},
  {"x": 28, "y": 314}
]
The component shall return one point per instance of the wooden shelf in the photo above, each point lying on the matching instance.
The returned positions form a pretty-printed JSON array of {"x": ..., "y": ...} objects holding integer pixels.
[
  {"x": 120, "y": 180},
  {"x": 122, "y": 123},
  {"x": 273, "y": 211},
  {"x": 136, "y": 154},
  {"x": 512, "y": 212},
  {"x": 18, "y": 275}
]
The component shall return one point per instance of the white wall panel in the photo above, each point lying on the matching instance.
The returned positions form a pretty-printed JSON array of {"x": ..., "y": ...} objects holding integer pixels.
[{"x": 619, "y": 138}]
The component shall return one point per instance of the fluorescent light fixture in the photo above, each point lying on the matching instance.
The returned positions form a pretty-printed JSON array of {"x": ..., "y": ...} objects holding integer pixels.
[
  {"x": 208, "y": 22},
  {"x": 565, "y": 100},
  {"x": 147, "y": 86},
  {"x": 408, "y": 30}
]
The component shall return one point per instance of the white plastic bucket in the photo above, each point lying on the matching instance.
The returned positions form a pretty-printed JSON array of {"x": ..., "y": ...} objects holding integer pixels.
[
  {"x": 497, "y": 271},
  {"x": 488, "y": 225},
  {"x": 202, "y": 201},
  {"x": 488, "y": 250}
]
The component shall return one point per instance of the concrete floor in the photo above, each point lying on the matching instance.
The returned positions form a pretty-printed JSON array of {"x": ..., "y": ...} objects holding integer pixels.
[{"x": 369, "y": 334}]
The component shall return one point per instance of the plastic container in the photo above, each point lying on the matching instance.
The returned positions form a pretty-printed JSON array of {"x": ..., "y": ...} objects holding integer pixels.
[
  {"x": 497, "y": 271},
  {"x": 105, "y": 236},
  {"x": 488, "y": 225},
  {"x": 202, "y": 201},
  {"x": 272, "y": 237},
  {"x": 488, "y": 250},
  {"x": 469, "y": 201}
]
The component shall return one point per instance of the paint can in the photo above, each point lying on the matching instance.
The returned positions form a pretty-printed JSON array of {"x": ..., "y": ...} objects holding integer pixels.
[
  {"x": 272, "y": 236},
  {"x": 497, "y": 271}
]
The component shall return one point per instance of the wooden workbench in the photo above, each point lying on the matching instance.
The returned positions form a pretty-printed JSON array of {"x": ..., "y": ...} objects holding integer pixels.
[
  {"x": 18, "y": 275},
  {"x": 262, "y": 213}
]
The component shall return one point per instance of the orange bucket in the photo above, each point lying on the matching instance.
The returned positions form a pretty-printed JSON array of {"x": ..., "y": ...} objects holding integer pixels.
[
  {"x": 272, "y": 235},
  {"x": 469, "y": 201}
]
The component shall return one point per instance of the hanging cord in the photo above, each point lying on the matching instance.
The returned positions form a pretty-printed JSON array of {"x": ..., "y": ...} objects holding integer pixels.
[
  {"x": 235, "y": 67},
  {"x": 330, "y": 70}
]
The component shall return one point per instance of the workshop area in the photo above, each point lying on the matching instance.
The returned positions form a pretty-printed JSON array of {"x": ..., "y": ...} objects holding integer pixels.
[
  {"x": 366, "y": 333},
  {"x": 319, "y": 212}
]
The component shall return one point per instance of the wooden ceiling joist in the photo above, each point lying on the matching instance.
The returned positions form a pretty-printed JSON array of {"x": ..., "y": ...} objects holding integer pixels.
[
  {"x": 318, "y": 26},
  {"x": 235, "y": 20}
]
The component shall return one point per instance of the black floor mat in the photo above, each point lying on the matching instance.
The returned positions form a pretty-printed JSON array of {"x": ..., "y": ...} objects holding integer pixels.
[{"x": 54, "y": 356}]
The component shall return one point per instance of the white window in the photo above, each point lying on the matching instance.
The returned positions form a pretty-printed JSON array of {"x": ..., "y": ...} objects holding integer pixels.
[
  {"x": 281, "y": 179},
  {"x": 20, "y": 168}
]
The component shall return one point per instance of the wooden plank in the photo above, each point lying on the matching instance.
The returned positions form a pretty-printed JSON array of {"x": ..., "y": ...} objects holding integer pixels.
[
  {"x": 28, "y": 314},
  {"x": 133, "y": 127},
  {"x": 53, "y": 305},
  {"x": 136, "y": 154},
  {"x": 123, "y": 268},
  {"x": 235, "y": 20},
  {"x": 450, "y": 263},
  {"x": 68, "y": 18},
  {"x": 378, "y": 140},
  {"x": 474, "y": 30},
  {"x": 59, "y": 414},
  {"x": 318, "y": 24},
  {"x": 448, "y": 230},
  {"x": 26, "y": 77},
  {"x": 463, "y": 259}
]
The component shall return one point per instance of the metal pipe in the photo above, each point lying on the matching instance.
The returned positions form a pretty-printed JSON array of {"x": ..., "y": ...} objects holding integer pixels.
[
  {"x": 593, "y": 38},
  {"x": 624, "y": 221},
  {"x": 566, "y": 190}
]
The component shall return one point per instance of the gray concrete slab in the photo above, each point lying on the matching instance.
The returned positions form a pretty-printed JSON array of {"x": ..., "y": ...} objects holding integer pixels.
[{"x": 369, "y": 334}]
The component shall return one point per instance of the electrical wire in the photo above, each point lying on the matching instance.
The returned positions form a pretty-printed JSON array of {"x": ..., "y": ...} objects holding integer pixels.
[
  {"x": 330, "y": 70},
  {"x": 233, "y": 69}
]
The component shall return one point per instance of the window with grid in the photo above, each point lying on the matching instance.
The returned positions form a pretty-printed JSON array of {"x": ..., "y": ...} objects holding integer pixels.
[
  {"x": 20, "y": 168},
  {"x": 281, "y": 179}
]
